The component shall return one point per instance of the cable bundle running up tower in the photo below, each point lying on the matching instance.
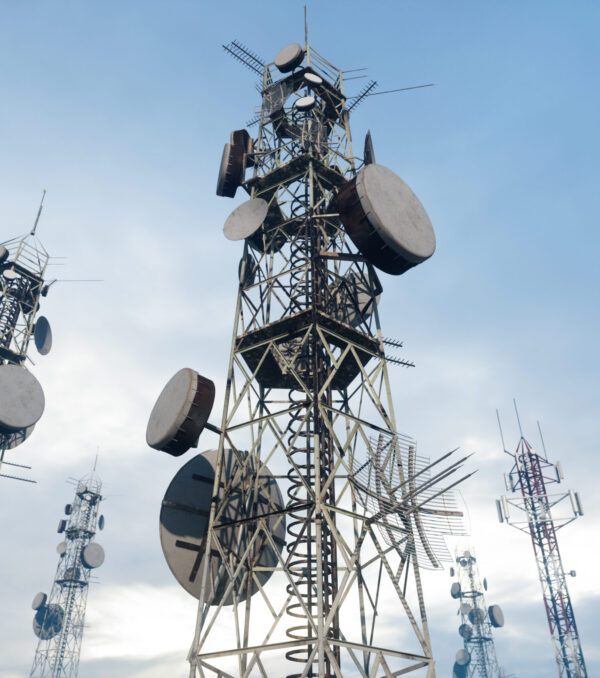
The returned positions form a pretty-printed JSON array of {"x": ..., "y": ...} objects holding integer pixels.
[
  {"x": 478, "y": 657},
  {"x": 535, "y": 510},
  {"x": 59, "y": 618},
  {"x": 23, "y": 263},
  {"x": 298, "y": 573}
]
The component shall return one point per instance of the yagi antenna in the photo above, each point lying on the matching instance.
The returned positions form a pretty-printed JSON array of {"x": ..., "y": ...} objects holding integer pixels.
[
  {"x": 39, "y": 213},
  {"x": 359, "y": 98},
  {"x": 244, "y": 55},
  {"x": 401, "y": 89}
]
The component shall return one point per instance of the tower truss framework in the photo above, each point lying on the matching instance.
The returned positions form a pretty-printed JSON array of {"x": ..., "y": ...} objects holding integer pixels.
[
  {"x": 541, "y": 513},
  {"x": 307, "y": 393},
  {"x": 477, "y": 621},
  {"x": 23, "y": 264},
  {"x": 59, "y": 620}
]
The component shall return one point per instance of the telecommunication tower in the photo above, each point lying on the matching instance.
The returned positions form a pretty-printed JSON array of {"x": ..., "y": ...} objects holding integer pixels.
[
  {"x": 535, "y": 510},
  {"x": 23, "y": 262},
  {"x": 304, "y": 531},
  {"x": 477, "y": 659},
  {"x": 59, "y": 617}
]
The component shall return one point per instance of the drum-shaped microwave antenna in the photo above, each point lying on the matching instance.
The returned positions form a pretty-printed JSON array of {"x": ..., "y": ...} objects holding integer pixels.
[
  {"x": 21, "y": 398},
  {"x": 92, "y": 555},
  {"x": 42, "y": 335},
  {"x": 385, "y": 220},
  {"x": 10, "y": 274},
  {"x": 39, "y": 601},
  {"x": 101, "y": 522},
  {"x": 455, "y": 590},
  {"x": 496, "y": 616},
  {"x": 466, "y": 631},
  {"x": 184, "y": 523},
  {"x": 181, "y": 412},
  {"x": 68, "y": 509},
  {"x": 313, "y": 79},
  {"x": 289, "y": 57},
  {"x": 230, "y": 171},
  {"x": 48, "y": 621},
  {"x": 477, "y": 616},
  {"x": 305, "y": 103},
  {"x": 10, "y": 439},
  {"x": 465, "y": 608},
  {"x": 463, "y": 657},
  {"x": 62, "y": 524}
]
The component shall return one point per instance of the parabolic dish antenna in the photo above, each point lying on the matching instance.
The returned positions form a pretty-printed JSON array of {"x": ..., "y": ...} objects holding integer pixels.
[
  {"x": 184, "y": 521},
  {"x": 3, "y": 254},
  {"x": 181, "y": 412},
  {"x": 48, "y": 621},
  {"x": 289, "y": 58},
  {"x": 21, "y": 398},
  {"x": 39, "y": 601},
  {"x": 496, "y": 616},
  {"x": 61, "y": 548},
  {"x": 246, "y": 219},
  {"x": 385, "y": 220},
  {"x": 42, "y": 335},
  {"x": 92, "y": 555}
]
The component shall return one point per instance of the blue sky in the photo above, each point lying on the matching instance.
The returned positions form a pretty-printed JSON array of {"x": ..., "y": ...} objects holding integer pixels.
[{"x": 120, "y": 110}]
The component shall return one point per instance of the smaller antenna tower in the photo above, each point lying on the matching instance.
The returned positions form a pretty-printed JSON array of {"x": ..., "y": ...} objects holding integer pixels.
[
  {"x": 23, "y": 262},
  {"x": 59, "y": 617},
  {"x": 477, "y": 659},
  {"x": 531, "y": 508}
]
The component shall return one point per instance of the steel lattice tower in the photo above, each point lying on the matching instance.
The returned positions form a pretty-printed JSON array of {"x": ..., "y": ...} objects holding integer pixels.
[
  {"x": 59, "y": 618},
  {"x": 538, "y": 516},
  {"x": 478, "y": 659},
  {"x": 23, "y": 263},
  {"x": 326, "y": 581}
]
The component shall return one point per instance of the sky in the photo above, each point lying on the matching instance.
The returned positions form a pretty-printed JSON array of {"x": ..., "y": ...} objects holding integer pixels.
[{"x": 120, "y": 111}]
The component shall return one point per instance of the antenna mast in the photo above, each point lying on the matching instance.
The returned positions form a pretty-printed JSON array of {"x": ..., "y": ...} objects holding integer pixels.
[
  {"x": 530, "y": 508},
  {"x": 23, "y": 263},
  {"x": 478, "y": 657},
  {"x": 312, "y": 509},
  {"x": 59, "y": 618}
]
